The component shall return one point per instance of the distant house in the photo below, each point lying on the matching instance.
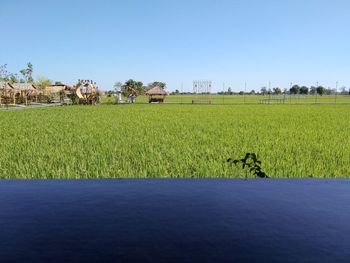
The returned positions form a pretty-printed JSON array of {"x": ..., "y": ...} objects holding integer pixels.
[{"x": 156, "y": 94}]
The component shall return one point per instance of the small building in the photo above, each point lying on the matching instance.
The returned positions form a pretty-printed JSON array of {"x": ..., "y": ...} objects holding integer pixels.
[
  {"x": 57, "y": 89},
  {"x": 156, "y": 94},
  {"x": 25, "y": 92},
  {"x": 7, "y": 93},
  {"x": 6, "y": 87},
  {"x": 25, "y": 89}
]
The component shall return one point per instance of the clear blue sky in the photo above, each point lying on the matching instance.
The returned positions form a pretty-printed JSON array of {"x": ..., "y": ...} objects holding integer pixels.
[{"x": 253, "y": 41}]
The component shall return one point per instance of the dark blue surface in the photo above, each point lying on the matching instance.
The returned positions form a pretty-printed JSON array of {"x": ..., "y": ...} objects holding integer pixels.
[{"x": 175, "y": 221}]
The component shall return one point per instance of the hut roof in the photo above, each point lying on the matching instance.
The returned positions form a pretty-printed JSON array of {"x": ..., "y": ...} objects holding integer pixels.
[
  {"x": 58, "y": 88},
  {"x": 156, "y": 91},
  {"x": 23, "y": 86},
  {"x": 6, "y": 85}
]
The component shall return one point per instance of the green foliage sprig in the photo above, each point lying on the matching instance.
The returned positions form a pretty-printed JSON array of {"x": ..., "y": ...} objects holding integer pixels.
[{"x": 251, "y": 162}]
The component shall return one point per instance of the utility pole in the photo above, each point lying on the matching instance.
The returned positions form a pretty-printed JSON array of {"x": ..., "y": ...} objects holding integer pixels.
[
  {"x": 223, "y": 93},
  {"x": 316, "y": 92},
  {"x": 336, "y": 92},
  {"x": 269, "y": 91},
  {"x": 182, "y": 89}
]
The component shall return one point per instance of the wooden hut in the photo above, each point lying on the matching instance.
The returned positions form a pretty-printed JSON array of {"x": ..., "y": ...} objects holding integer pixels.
[
  {"x": 25, "y": 88},
  {"x": 6, "y": 87},
  {"x": 58, "y": 90},
  {"x": 25, "y": 91},
  {"x": 7, "y": 93},
  {"x": 156, "y": 94}
]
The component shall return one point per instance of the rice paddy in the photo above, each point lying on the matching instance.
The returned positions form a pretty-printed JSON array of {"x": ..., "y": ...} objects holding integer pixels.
[
  {"x": 170, "y": 140},
  {"x": 251, "y": 99}
]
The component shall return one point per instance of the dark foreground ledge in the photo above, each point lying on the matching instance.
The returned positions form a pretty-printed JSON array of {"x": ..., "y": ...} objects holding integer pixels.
[{"x": 170, "y": 220}]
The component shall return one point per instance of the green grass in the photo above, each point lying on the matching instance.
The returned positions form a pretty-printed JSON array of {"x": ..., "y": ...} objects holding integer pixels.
[
  {"x": 249, "y": 99},
  {"x": 174, "y": 140}
]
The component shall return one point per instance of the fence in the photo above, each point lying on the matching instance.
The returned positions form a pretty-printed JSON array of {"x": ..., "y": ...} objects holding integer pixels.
[{"x": 224, "y": 99}]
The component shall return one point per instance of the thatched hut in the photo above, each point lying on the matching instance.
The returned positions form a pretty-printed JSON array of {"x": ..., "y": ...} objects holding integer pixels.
[
  {"x": 58, "y": 90},
  {"x": 25, "y": 91},
  {"x": 7, "y": 93},
  {"x": 25, "y": 88},
  {"x": 156, "y": 94},
  {"x": 6, "y": 87}
]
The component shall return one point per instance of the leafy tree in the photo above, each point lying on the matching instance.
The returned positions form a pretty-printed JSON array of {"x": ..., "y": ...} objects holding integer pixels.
[
  {"x": 42, "y": 83},
  {"x": 295, "y": 89},
  {"x": 343, "y": 91},
  {"x": 304, "y": 90},
  {"x": 329, "y": 91},
  {"x": 312, "y": 90},
  {"x": 49, "y": 99},
  {"x": 229, "y": 91},
  {"x": 132, "y": 87},
  {"x": 4, "y": 74},
  {"x": 13, "y": 78},
  {"x": 109, "y": 93},
  {"x": 62, "y": 95},
  {"x": 263, "y": 90},
  {"x": 320, "y": 90},
  {"x": 277, "y": 91},
  {"x": 7, "y": 76},
  {"x": 157, "y": 84},
  {"x": 27, "y": 73},
  {"x": 252, "y": 92}
]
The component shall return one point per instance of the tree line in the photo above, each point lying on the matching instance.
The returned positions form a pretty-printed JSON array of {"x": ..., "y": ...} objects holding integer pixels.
[
  {"x": 25, "y": 76},
  {"x": 320, "y": 90},
  {"x": 294, "y": 90},
  {"x": 133, "y": 87}
]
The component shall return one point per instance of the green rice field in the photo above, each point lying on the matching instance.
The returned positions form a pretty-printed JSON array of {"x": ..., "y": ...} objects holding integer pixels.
[
  {"x": 174, "y": 140},
  {"x": 249, "y": 99}
]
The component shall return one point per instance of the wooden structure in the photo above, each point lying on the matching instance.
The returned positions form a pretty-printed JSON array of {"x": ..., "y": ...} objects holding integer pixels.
[
  {"x": 156, "y": 94},
  {"x": 5, "y": 86},
  {"x": 57, "y": 89},
  {"x": 58, "y": 92},
  {"x": 7, "y": 93},
  {"x": 273, "y": 100},
  {"x": 24, "y": 92},
  {"x": 87, "y": 92},
  {"x": 202, "y": 91}
]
